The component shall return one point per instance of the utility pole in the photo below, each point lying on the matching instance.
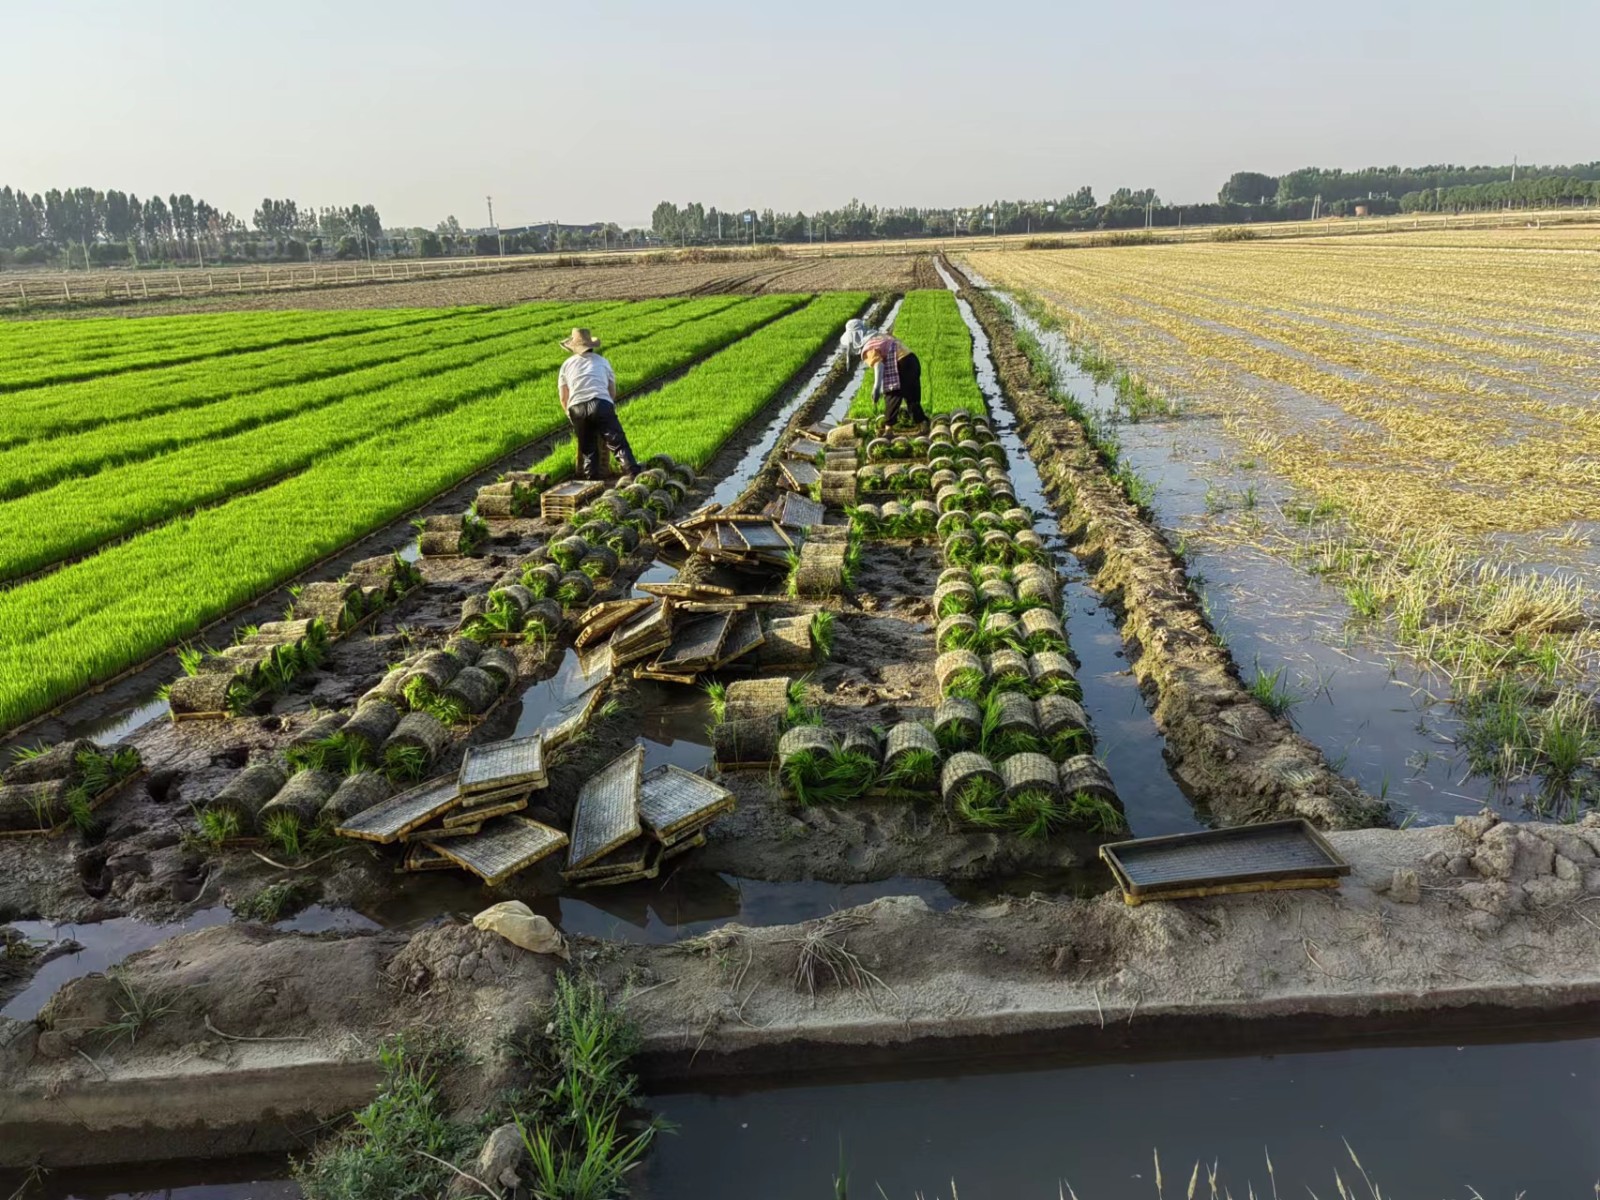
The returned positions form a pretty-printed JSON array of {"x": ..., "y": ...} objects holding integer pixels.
[{"x": 496, "y": 228}]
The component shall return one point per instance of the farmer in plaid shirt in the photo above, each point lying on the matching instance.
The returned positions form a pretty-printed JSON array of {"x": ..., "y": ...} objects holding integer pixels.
[{"x": 896, "y": 376}]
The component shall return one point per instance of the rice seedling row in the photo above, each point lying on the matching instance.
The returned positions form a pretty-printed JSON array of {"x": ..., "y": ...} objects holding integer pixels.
[
  {"x": 297, "y": 328},
  {"x": 54, "y": 421},
  {"x": 78, "y": 515},
  {"x": 92, "y": 619},
  {"x": 929, "y": 322}
]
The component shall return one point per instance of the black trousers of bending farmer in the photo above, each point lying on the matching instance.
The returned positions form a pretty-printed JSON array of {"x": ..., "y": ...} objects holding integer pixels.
[
  {"x": 594, "y": 422},
  {"x": 910, "y": 392}
]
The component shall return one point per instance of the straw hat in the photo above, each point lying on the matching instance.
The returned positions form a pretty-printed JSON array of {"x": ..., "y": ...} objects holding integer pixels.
[{"x": 581, "y": 341}]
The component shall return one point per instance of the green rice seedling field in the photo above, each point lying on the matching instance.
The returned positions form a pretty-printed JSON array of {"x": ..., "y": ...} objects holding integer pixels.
[{"x": 156, "y": 474}]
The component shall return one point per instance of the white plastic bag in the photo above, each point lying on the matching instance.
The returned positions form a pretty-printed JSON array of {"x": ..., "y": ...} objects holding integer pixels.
[{"x": 521, "y": 926}]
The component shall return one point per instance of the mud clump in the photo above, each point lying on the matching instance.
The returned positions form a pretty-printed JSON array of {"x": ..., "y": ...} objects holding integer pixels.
[{"x": 1514, "y": 869}]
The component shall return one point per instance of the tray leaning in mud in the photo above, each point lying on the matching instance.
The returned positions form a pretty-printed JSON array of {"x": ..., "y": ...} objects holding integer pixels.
[{"x": 1246, "y": 858}]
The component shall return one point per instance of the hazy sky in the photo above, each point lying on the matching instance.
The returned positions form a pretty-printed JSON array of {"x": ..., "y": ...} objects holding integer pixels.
[{"x": 589, "y": 111}]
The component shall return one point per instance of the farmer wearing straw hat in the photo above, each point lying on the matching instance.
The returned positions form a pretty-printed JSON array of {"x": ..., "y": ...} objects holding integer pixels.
[
  {"x": 896, "y": 376},
  {"x": 589, "y": 398}
]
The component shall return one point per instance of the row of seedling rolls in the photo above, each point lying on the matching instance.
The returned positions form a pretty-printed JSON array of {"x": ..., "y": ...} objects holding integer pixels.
[{"x": 1008, "y": 747}]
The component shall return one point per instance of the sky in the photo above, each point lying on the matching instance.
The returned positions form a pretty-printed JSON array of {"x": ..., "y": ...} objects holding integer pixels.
[{"x": 596, "y": 111}]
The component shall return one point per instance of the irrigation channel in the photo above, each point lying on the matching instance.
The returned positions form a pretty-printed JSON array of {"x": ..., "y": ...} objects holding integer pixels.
[{"x": 1377, "y": 717}]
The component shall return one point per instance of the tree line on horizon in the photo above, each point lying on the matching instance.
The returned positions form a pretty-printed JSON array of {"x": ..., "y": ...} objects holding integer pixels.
[{"x": 87, "y": 226}]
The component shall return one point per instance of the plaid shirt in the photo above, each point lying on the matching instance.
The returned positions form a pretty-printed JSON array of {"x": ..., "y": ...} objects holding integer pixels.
[{"x": 890, "y": 352}]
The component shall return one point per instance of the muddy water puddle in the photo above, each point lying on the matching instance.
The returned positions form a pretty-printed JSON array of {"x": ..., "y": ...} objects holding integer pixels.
[
  {"x": 260, "y": 1178},
  {"x": 1377, "y": 719},
  {"x": 1126, "y": 737},
  {"x": 1425, "y": 1121}
]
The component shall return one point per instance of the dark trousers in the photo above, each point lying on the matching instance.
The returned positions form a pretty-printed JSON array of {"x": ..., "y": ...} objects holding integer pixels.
[
  {"x": 910, "y": 393},
  {"x": 594, "y": 422}
]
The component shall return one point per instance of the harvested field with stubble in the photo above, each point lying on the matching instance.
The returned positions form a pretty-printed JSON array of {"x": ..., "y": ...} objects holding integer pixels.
[
  {"x": 666, "y": 274},
  {"x": 1422, "y": 412}
]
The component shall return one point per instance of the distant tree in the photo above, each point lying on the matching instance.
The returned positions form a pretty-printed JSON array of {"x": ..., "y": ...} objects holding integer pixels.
[
  {"x": 430, "y": 245},
  {"x": 1249, "y": 187},
  {"x": 665, "y": 222}
]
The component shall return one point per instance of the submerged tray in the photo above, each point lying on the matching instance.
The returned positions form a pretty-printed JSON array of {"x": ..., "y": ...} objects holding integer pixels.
[
  {"x": 1247, "y": 858},
  {"x": 497, "y": 766}
]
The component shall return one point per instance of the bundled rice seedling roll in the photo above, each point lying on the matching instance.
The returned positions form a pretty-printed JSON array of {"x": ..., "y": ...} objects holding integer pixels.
[
  {"x": 543, "y": 580},
  {"x": 969, "y": 448},
  {"x": 1007, "y": 670},
  {"x": 911, "y": 759},
  {"x": 952, "y": 522},
  {"x": 435, "y": 667},
  {"x": 545, "y": 615},
  {"x": 632, "y": 495},
  {"x": 1083, "y": 774},
  {"x": 878, "y": 449},
  {"x": 922, "y": 516},
  {"x": 500, "y": 663},
  {"x": 983, "y": 523},
  {"x": 960, "y": 547},
  {"x": 958, "y": 671},
  {"x": 1002, "y": 493},
  {"x": 1028, "y": 546},
  {"x": 442, "y": 523},
  {"x": 996, "y": 592},
  {"x": 998, "y": 546},
  {"x": 860, "y": 740},
  {"x": 843, "y": 434},
  {"x": 969, "y": 477},
  {"x": 919, "y": 477},
  {"x": 1064, "y": 725},
  {"x": 900, "y": 447},
  {"x": 322, "y": 728},
  {"x": 371, "y": 724},
  {"x": 276, "y": 632},
  {"x": 650, "y": 479},
  {"x": 683, "y": 472},
  {"x": 302, "y": 796},
  {"x": 1006, "y": 713},
  {"x": 1014, "y": 519},
  {"x": 1034, "y": 592},
  {"x": 954, "y": 575},
  {"x": 804, "y": 755},
  {"x": 474, "y": 689},
  {"x": 419, "y": 731},
  {"x": 594, "y": 532},
  {"x": 614, "y": 505},
  {"x": 957, "y": 723},
  {"x": 58, "y": 762},
  {"x": 575, "y": 589},
  {"x": 661, "y": 502},
  {"x": 869, "y": 478},
  {"x": 1052, "y": 667},
  {"x": 498, "y": 505},
  {"x": 600, "y": 563},
  {"x": 1029, "y": 772},
  {"x": 642, "y": 520},
  {"x": 390, "y": 688},
  {"x": 441, "y": 545},
  {"x": 948, "y": 498},
  {"x": 676, "y": 489},
  {"x": 941, "y": 478},
  {"x": 989, "y": 571},
  {"x": 473, "y": 608},
  {"x": 866, "y": 519},
  {"x": 893, "y": 520},
  {"x": 1041, "y": 630},
  {"x": 747, "y": 741},
  {"x": 908, "y": 737},
  {"x": 622, "y": 540},
  {"x": 465, "y": 649},
  {"x": 958, "y": 631},
  {"x": 200, "y": 693},
  {"x": 248, "y": 793},
  {"x": 789, "y": 643},
  {"x": 965, "y": 768},
  {"x": 568, "y": 552}
]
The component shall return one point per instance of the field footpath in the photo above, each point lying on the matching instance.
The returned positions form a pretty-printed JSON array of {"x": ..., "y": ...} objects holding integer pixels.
[
  {"x": 1438, "y": 932},
  {"x": 1237, "y": 761}
]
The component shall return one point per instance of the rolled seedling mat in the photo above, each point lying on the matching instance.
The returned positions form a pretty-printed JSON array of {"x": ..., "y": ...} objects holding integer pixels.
[
  {"x": 842, "y": 434},
  {"x": 495, "y": 505},
  {"x": 1060, "y": 714},
  {"x": 248, "y": 793},
  {"x": 892, "y": 472},
  {"x": 906, "y": 737},
  {"x": 924, "y": 514},
  {"x": 838, "y": 487},
  {"x": 543, "y": 580},
  {"x": 996, "y": 591},
  {"x": 473, "y": 607},
  {"x": 568, "y": 552},
  {"x": 954, "y": 521},
  {"x": 1029, "y": 772},
  {"x": 877, "y": 449},
  {"x": 869, "y": 515},
  {"x": 32, "y": 807},
  {"x": 419, "y": 730},
  {"x": 475, "y": 689},
  {"x": 830, "y": 534},
  {"x": 839, "y": 460},
  {"x": 955, "y": 631},
  {"x": 600, "y": 563},
  {"x": 275, "y": 632},
  {"x": 869, "y": 478},
  {"x": 199, "y": 694},
  {"x": 241, "y": 662},
  {"x": 806, "y": 739},
  {"x": 997, "y": 546},
  {"x": 1051, "y": 666},
  {"x": 467, "y": 650},
  {"x": 518, "y": 595},
  {"x": 501, "y": 487},
  {"x": 955, "y": 667},
  {"x": 999, "y": 626},
  {"x": 1084, "y": 773},
  {"x": 1034, "y": 590},
  {"x": 661, "y": 501},
  {"x": 1030, "y": 542},
  {"x": 938, "y": 480},
  {"x": 391, "y": 688},
  {"x": 547, "y": 614},
  {"x": 442, "y": 523},
  {"x": 989, "y": 572},
  {"x": 355, "y": 793},
  {"x": 303, "y": 795},
  {"x": 595, "y": 533},
  {"x": 1039, "y": 571},
  {"x": 969, "y": 447},
  {"x": 818, "y": 577},
  {"x": 440, "y": 545},
  {"x": 1016, "y": 518},
  {"x": 578, "y": 586},
  {"x": 436, "y": 667},
  {"x": 372, "y": 723},
  {"x": 788, "y": 643},
  {"x": 955, "y": 575},
  {"x": 323, "y": 600},
  {"x": 993, "y": 470},
  {"x": 948, "y": 498},
  {"x": 960, "y": 546},
  {"x": 322, "y": 728},
  {"x": 1013, "y": 712},
  {"x": 58, "y": 762},
  {"x": 985, "y": 523},
  {"x": 964, "y": 768},
  {"x": 970, "y": 478},
  {"x": 893, "y": 511},
  {"x": 1002, "y": 493},
  {"x": 1005, "y": 665},
  {"x": 746, "y": 741},
  {"x": 863, "y": 741}
]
